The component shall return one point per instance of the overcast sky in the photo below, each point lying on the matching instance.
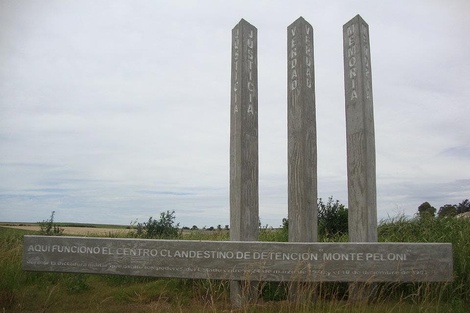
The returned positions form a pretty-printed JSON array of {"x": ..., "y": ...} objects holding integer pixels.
[{"x": 112, "y": 111}]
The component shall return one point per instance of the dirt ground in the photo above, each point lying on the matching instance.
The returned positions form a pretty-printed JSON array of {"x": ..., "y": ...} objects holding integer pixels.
[{"x": 82, "y": 231}]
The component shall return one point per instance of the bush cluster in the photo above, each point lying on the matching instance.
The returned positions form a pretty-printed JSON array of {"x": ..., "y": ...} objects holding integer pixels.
[
  {"x": 164, "y": 228},
  {"x": 332, "y": 221},
  {"x": 49, "y": 227},
  {"x": 332, "y": 218}
]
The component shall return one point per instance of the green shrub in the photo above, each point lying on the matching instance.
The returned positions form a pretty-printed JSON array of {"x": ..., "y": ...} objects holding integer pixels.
[
  {"x": 49, "y": 228},
  {"x": 164, "y": 228},
  {"x": 332, "y": 221},
  {"x": 332, "y": 218}
]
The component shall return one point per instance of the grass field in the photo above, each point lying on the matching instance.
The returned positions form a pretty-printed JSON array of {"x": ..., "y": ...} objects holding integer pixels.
[
  {"x": 79, "y": 230},
  {"x": 59, "y": 292}
]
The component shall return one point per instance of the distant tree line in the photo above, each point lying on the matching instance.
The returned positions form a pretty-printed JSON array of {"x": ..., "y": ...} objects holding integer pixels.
[
  {"x": 211, "y": 228},
  {"x": 332, "y": 221},
  {"x": 426, "y": 210}
]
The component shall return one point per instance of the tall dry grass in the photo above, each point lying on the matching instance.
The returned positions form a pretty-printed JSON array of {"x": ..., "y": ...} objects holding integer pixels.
[{"x": 54, "y": 292}]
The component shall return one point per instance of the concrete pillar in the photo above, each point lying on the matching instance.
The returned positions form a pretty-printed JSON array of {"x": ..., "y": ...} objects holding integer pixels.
[
  {"x": 302, "y": 133},
  {"x": 360, "y": 138},
  {"x": 244, "y": 200},
  {"x": 362, "y": 195}
]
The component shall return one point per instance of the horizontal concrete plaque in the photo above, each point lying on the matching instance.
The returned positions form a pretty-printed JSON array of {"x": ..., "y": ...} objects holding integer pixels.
[{"x": 234, "y": 260}]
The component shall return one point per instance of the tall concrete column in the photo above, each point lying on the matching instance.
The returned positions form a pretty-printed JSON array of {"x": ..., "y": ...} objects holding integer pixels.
[
  {"x": 302, "y": 133},
  {"x": 360, "y": 138},
  {"x": 362, "y": 195},
  {"x": 244, "y": 200}
]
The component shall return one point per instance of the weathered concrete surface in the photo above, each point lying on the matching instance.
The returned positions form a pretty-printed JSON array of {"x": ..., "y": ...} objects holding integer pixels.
[
  {"x": 248, "y": 261},
  {"x": 302, "y": 133},
  {"x": 362, "y": 195},
  {"x": 244, "y": 201}
]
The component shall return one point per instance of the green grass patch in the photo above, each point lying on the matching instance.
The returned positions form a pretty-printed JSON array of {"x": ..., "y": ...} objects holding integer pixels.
[{"x": 60, "y": 292}]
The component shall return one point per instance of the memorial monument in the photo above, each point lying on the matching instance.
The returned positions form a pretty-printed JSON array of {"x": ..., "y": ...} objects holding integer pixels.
[
  {"x": 360, "y": 135},
  {"x": 302, "y": 133},
  {"x": 242, "y": 260},
  {"x": 244, "y": 201},
  {"x": 360, "y": 140}
]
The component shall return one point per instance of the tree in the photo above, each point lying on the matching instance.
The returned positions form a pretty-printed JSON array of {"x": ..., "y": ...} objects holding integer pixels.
[
  {"x": 332, "y": 218},
  {"x": 426, "y": 210},
  {"x": 463, "y": 207},
  {"x": 284, "y": 233},
  {"x": 164, "y": 228},
  {"x": 285, "y": 225},
  {"x": 447, "y": 210}
]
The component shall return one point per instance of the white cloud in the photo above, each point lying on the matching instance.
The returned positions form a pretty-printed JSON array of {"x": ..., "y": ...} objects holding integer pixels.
[{"x": 116, "y": 110}]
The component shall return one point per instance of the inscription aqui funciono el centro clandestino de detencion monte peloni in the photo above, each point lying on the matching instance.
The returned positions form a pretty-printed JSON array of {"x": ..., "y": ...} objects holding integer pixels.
[{"x": 257, "y": 261}]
